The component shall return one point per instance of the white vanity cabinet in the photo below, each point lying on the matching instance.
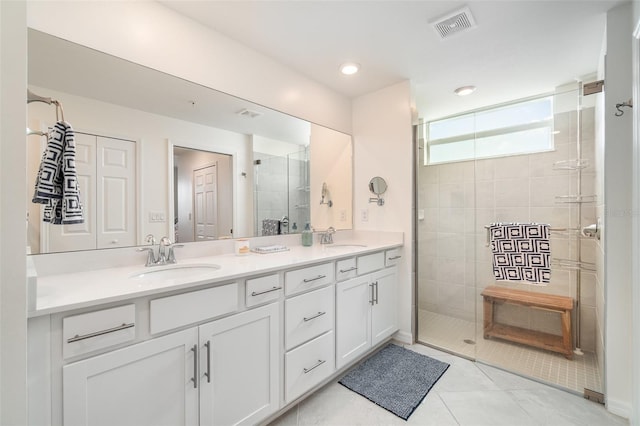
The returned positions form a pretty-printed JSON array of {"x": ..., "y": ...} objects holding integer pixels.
[
  {"x": 224, "y": 372},
  {"x": 365, "y": 313},
  {"x": 236, "y": 351},
  {"x": 240, "y": 367},
  {"x": 147, "y": 384},
  {"x": 309, "y": 324}
]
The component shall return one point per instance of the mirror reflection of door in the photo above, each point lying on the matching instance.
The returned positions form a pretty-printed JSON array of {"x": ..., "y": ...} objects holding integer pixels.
[
  {"x": 205, "y": 200},
  {"x": 203, "y": 191},
  {"x": 106, "y": 171}
]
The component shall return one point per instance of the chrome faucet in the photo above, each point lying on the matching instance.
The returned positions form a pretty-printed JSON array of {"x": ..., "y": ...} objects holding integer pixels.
[
  {"x": 165, "y": 251},
  {"x": 327, "y": 236}
]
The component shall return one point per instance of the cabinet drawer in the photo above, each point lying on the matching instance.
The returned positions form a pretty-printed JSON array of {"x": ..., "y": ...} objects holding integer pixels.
[
  {"x": 392, "y": 257},
  {"x": 263, "y": 289},
  {"x": 370, "y": 263},
  {"x": 98, "y": 330},
  {"x": 308, "y": 315},
  {"x": 307, "y": 278},
  {"x": 308, "y": 365},
  {"x": 171, "y": 312},
  {"x": 346, "y": 269}
]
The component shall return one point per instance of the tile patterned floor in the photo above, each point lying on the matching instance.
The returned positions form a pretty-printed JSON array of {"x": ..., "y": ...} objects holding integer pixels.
[
  {"x": 449, "y": 333},
  {"x": 468, "y": 394}
]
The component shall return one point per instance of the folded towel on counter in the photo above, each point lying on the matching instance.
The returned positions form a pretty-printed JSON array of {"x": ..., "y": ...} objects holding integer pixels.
[
  {"x": 270, "y": 249},
  {"x": 271, "y": 227},
  {"x": 57, "y": 182},
  {"x": 521, "y": 252}
]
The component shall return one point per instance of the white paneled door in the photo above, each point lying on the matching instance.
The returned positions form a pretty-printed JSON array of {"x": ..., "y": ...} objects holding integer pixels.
[
  {"x": 205, "y": 198},
  {"x": 106, "y": 170},
  {"x": 116, "y": 209}
]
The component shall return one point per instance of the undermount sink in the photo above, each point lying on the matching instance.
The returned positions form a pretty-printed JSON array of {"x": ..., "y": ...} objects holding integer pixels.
[{"x": 174, "y": 271}]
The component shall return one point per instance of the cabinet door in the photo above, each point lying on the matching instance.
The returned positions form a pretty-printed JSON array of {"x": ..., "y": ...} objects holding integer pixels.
[
  {"x": 240, "y": 367},
  {"x": 145, "y": 384},
  {"x": 383, "y": 312},
  {"x": 353, "y": 319}
]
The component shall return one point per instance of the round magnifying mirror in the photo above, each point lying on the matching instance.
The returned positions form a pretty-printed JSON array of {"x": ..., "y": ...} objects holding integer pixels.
[{"x": 377, "y": 185}]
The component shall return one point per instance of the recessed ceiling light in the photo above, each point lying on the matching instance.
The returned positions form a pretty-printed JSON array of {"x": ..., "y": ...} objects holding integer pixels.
[
  {"x": 464, "y": 90},
  {"x": 349, "y": 68}
]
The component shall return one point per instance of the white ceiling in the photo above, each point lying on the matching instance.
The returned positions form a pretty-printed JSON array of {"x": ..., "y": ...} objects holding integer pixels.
[{"x": 518, "y": 48}]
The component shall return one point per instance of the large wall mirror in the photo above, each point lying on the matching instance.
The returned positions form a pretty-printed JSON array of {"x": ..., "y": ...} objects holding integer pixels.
[{"x": 156, "y": 154}]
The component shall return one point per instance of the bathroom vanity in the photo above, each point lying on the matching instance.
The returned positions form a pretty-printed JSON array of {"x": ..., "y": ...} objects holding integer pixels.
[{"x": 217, "y": 339}]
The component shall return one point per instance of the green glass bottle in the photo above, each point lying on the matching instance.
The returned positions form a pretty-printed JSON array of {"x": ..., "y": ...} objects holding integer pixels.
[{"x": 307, "y": 236}]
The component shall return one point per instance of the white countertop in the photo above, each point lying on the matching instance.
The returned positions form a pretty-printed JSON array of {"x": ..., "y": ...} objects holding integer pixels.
[{"x": 74, "y": 290}]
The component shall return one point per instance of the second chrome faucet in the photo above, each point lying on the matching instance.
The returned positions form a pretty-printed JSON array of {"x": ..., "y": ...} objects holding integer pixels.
[{"x": 165, "y": 252}]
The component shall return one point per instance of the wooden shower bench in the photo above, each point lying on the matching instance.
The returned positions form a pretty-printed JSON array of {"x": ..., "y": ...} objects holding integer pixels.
[{"x": 547, "y": 302}]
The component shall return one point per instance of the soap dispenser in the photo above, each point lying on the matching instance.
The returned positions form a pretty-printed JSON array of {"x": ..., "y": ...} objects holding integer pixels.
[{"x": 307, "y": 236}]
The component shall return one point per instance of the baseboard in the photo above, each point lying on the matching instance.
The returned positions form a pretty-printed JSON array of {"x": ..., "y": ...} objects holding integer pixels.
[
  {"x": 619, "y": 408},
  {"x": 403, "y": 337}
]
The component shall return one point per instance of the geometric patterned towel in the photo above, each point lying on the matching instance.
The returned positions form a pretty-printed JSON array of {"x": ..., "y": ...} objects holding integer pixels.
[
  {"x": 271, "y": 227},
  {"x": 57, "y": 182},
  {"x": 521, "y": 252}
]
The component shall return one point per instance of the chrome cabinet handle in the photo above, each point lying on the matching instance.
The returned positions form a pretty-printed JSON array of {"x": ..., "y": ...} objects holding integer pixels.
[
  {"x": 376, "y": 299},
  {"x": 371, "y": 300},
  {"x": 258, "y": 293},
  {"x": 100, "y": 333},
  {"x": 320, "y": 362},
  {"x": 208, "y": 373},
  {"x": 319, "y": 314},
  {"x": 394, "y": 258},
  {"x": 194, "y": 349},
  {"x": 319, "y": 277},
  {"x": 342, "y": 271}
]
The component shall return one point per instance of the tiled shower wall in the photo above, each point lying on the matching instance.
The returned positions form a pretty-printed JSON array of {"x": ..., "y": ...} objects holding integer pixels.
[
  {"x": 457, "y": 201},
  {"x": 282, "y": 190}
]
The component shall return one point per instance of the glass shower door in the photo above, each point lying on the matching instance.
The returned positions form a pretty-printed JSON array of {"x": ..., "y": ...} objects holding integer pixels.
[{"x": 446, "y": 255}]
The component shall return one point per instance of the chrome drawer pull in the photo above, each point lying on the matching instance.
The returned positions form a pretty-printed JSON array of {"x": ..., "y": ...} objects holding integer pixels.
[
  {"x": 208, "y": 373},
  {"x": 194, "y": 379},
  {"x": 258, "y": 293},
  {"x": 100, "y": 333},
  {"x": 319, "y": 314},
  {"x": 342, "y": 271},
  {"x": 394, "y": 258},
  {"x": 319, "y": 277},
  {"x": 320, "y": 362}
]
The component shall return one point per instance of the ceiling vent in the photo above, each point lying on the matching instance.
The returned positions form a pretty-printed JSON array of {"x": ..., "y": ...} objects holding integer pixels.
[
  {"x": 249, "y": 113},
  {"x": 454, "y": 23}
]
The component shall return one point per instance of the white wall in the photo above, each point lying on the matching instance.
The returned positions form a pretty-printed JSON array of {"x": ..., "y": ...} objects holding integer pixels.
[
  {"x": 13, "y": 321},
  {"x": 635, "y": 414},
  {"x": 617, "y": 217},
  {"x": 150, "y": 34},
  {"x": 383, "y": 146}
]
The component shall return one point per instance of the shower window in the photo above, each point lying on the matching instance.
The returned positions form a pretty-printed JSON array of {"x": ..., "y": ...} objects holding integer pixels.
[{"x": 491, "y": 132}]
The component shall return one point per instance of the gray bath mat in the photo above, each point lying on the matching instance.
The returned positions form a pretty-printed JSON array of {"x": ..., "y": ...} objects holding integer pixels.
[{"x": 395, "y": 378}]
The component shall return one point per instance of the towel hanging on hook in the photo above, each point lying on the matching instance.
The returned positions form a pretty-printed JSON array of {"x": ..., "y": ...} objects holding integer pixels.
[{"x": 628, "y": 104}]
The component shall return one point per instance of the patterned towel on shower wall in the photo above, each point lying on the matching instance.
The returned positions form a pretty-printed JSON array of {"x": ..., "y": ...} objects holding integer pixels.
[{"x": 521, "y": 252}]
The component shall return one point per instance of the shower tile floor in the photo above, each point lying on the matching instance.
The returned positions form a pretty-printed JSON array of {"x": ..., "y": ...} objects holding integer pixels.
[{"x": 450, "y": 333}]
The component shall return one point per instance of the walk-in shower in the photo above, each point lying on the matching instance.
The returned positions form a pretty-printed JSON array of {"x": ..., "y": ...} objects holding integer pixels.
[{"x": 530, "y": 161}]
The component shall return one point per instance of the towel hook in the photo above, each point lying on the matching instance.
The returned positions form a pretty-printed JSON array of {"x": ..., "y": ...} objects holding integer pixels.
[{"x": 628, "y": 104}]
